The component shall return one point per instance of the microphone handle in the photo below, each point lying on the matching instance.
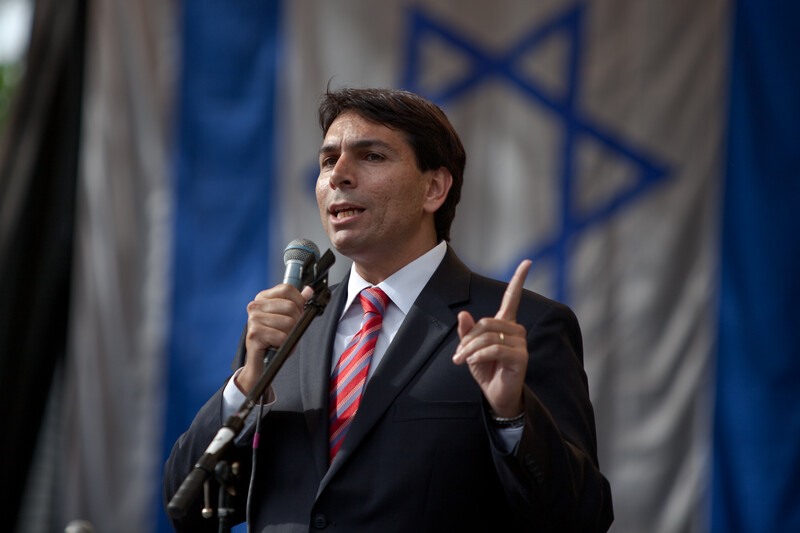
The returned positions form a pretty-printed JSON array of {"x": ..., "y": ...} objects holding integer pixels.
[{"x": 294, "y": 274}]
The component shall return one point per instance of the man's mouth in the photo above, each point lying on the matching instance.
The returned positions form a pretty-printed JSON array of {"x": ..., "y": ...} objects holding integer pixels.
[{"x": 345, "y": 211}]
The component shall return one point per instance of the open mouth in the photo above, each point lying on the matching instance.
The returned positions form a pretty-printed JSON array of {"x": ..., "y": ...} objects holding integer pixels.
[{"x": 345, "y": 211}]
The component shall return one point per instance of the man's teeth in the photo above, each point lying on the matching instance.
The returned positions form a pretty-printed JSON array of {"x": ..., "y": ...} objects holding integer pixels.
[{"x": 347, "y": 213}]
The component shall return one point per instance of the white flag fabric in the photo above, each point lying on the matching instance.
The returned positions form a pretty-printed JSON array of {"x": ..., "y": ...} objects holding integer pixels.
[{"x": 114, "y": 373}]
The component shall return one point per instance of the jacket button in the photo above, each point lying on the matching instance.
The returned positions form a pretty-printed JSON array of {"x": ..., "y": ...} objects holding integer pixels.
[{"x": 319, "y": 521}]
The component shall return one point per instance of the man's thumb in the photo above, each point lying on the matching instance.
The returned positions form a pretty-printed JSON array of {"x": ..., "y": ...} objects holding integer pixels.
[{"x": 465, "y": 323}]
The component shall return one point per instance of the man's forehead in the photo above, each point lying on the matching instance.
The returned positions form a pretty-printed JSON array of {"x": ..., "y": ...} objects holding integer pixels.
[
  {"x": 352, "y": 130},
  {"x": 334, "y": 145}
]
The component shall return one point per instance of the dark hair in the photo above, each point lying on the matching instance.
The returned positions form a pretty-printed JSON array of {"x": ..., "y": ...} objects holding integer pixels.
[{"x": 428, "y": 131}]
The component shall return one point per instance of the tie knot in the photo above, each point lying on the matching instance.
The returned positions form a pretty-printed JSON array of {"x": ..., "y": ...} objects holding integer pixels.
[{"x": 374, "y": 300}]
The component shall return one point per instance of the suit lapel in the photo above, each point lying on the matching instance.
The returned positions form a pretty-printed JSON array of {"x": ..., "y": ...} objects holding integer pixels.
[
  {"x": 425, "y": 327},
  {"x": 315, "y": 368}
]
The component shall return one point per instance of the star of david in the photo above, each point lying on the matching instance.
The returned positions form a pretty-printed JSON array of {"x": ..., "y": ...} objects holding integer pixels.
[{"x": 484, "y": 66}]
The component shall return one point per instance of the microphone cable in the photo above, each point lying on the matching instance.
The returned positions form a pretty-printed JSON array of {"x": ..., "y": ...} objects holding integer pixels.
[{"x": 256, "y": 438}]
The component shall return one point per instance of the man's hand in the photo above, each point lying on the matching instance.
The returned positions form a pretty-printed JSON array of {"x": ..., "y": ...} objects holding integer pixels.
[
  {"x": 270, "y": 318},
  {"x": 496, "y": 350}
]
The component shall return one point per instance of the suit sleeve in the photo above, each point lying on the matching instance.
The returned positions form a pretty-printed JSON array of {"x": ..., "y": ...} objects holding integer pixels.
[
  {"x": 554, "y": 472},
  {"x": 185, "y": 453}
]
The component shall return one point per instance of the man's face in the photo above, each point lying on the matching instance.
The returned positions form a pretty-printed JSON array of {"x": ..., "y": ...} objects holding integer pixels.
[{"x": 374, "y": 202}]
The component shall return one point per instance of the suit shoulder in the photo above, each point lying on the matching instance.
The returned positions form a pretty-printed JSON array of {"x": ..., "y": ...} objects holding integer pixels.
[{"x": 532, "y": 304}]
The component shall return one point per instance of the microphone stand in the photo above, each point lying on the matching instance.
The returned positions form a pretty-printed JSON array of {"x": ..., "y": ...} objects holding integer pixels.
[{"x": 315, "y": 274}]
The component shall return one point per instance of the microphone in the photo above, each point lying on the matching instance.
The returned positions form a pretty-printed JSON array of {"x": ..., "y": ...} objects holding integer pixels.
[
  {"x": 79, "y": 526},
  {"x": 295, "y": 255}
]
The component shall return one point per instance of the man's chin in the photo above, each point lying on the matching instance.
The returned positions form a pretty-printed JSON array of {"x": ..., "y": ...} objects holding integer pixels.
[{"x": 344, "y": 244}]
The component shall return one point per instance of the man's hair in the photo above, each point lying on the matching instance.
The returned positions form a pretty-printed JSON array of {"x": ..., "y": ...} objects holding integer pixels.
[{"x": 428, "y": 131}]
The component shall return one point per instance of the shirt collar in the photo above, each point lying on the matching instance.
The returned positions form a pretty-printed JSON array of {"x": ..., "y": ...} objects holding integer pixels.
[{"x": 403, "y": 286}]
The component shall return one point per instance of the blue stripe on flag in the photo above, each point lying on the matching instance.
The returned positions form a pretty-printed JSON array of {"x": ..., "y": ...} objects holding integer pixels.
[
  {"x": 224, "y": 165},
  {"x": 756, "y": 483}
]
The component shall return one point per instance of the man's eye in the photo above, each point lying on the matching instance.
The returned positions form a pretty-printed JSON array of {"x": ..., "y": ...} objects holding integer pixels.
[
  {"x": 327, "y": 162},
  {"x": 372, "y": 156}
]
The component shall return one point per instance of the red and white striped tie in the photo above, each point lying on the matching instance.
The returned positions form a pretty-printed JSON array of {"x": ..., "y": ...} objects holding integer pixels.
[{"x": 350, "y": 374}]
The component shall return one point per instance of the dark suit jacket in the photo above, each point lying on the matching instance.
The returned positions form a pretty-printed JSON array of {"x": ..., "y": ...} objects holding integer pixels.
[{"x": 419, "y": 456}]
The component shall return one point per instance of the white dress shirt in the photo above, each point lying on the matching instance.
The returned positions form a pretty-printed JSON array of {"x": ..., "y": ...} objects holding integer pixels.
[{"x": 402, "y": 288}]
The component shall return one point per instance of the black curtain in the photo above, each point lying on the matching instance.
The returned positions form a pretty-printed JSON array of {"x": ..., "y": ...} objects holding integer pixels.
[{"x": 38, "y": 172}]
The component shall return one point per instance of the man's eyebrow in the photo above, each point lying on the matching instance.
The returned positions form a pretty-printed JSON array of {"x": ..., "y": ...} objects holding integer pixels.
[{"x": 358, "y": 145}]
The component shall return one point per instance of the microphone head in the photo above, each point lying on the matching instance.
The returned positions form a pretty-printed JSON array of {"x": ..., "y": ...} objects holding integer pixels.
[
  {"x": 299, "y": 250},
  {"x": 79, "y": 526}
]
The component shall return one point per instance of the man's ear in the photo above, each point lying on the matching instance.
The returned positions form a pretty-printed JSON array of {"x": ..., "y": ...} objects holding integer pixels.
[{"x": 439, "y": 183}]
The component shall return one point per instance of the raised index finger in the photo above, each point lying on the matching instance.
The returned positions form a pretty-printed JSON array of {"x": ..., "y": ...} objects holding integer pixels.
[{"x": 510, "y": 303}]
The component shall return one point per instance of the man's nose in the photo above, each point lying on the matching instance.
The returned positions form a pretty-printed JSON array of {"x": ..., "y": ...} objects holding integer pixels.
[{"x": 342, "y": 174}]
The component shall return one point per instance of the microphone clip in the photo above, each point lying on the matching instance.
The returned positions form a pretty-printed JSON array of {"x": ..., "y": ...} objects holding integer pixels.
[{"x": 315, "y": 275}]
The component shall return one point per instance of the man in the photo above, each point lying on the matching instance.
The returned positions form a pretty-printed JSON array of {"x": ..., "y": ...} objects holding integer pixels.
[{"x": 462, "y": 425}]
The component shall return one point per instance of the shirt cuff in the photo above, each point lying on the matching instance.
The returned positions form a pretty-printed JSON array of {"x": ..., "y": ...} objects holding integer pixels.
[
  {"x": 232, "y": 399},
  {"x": 506, "y": 439}
]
